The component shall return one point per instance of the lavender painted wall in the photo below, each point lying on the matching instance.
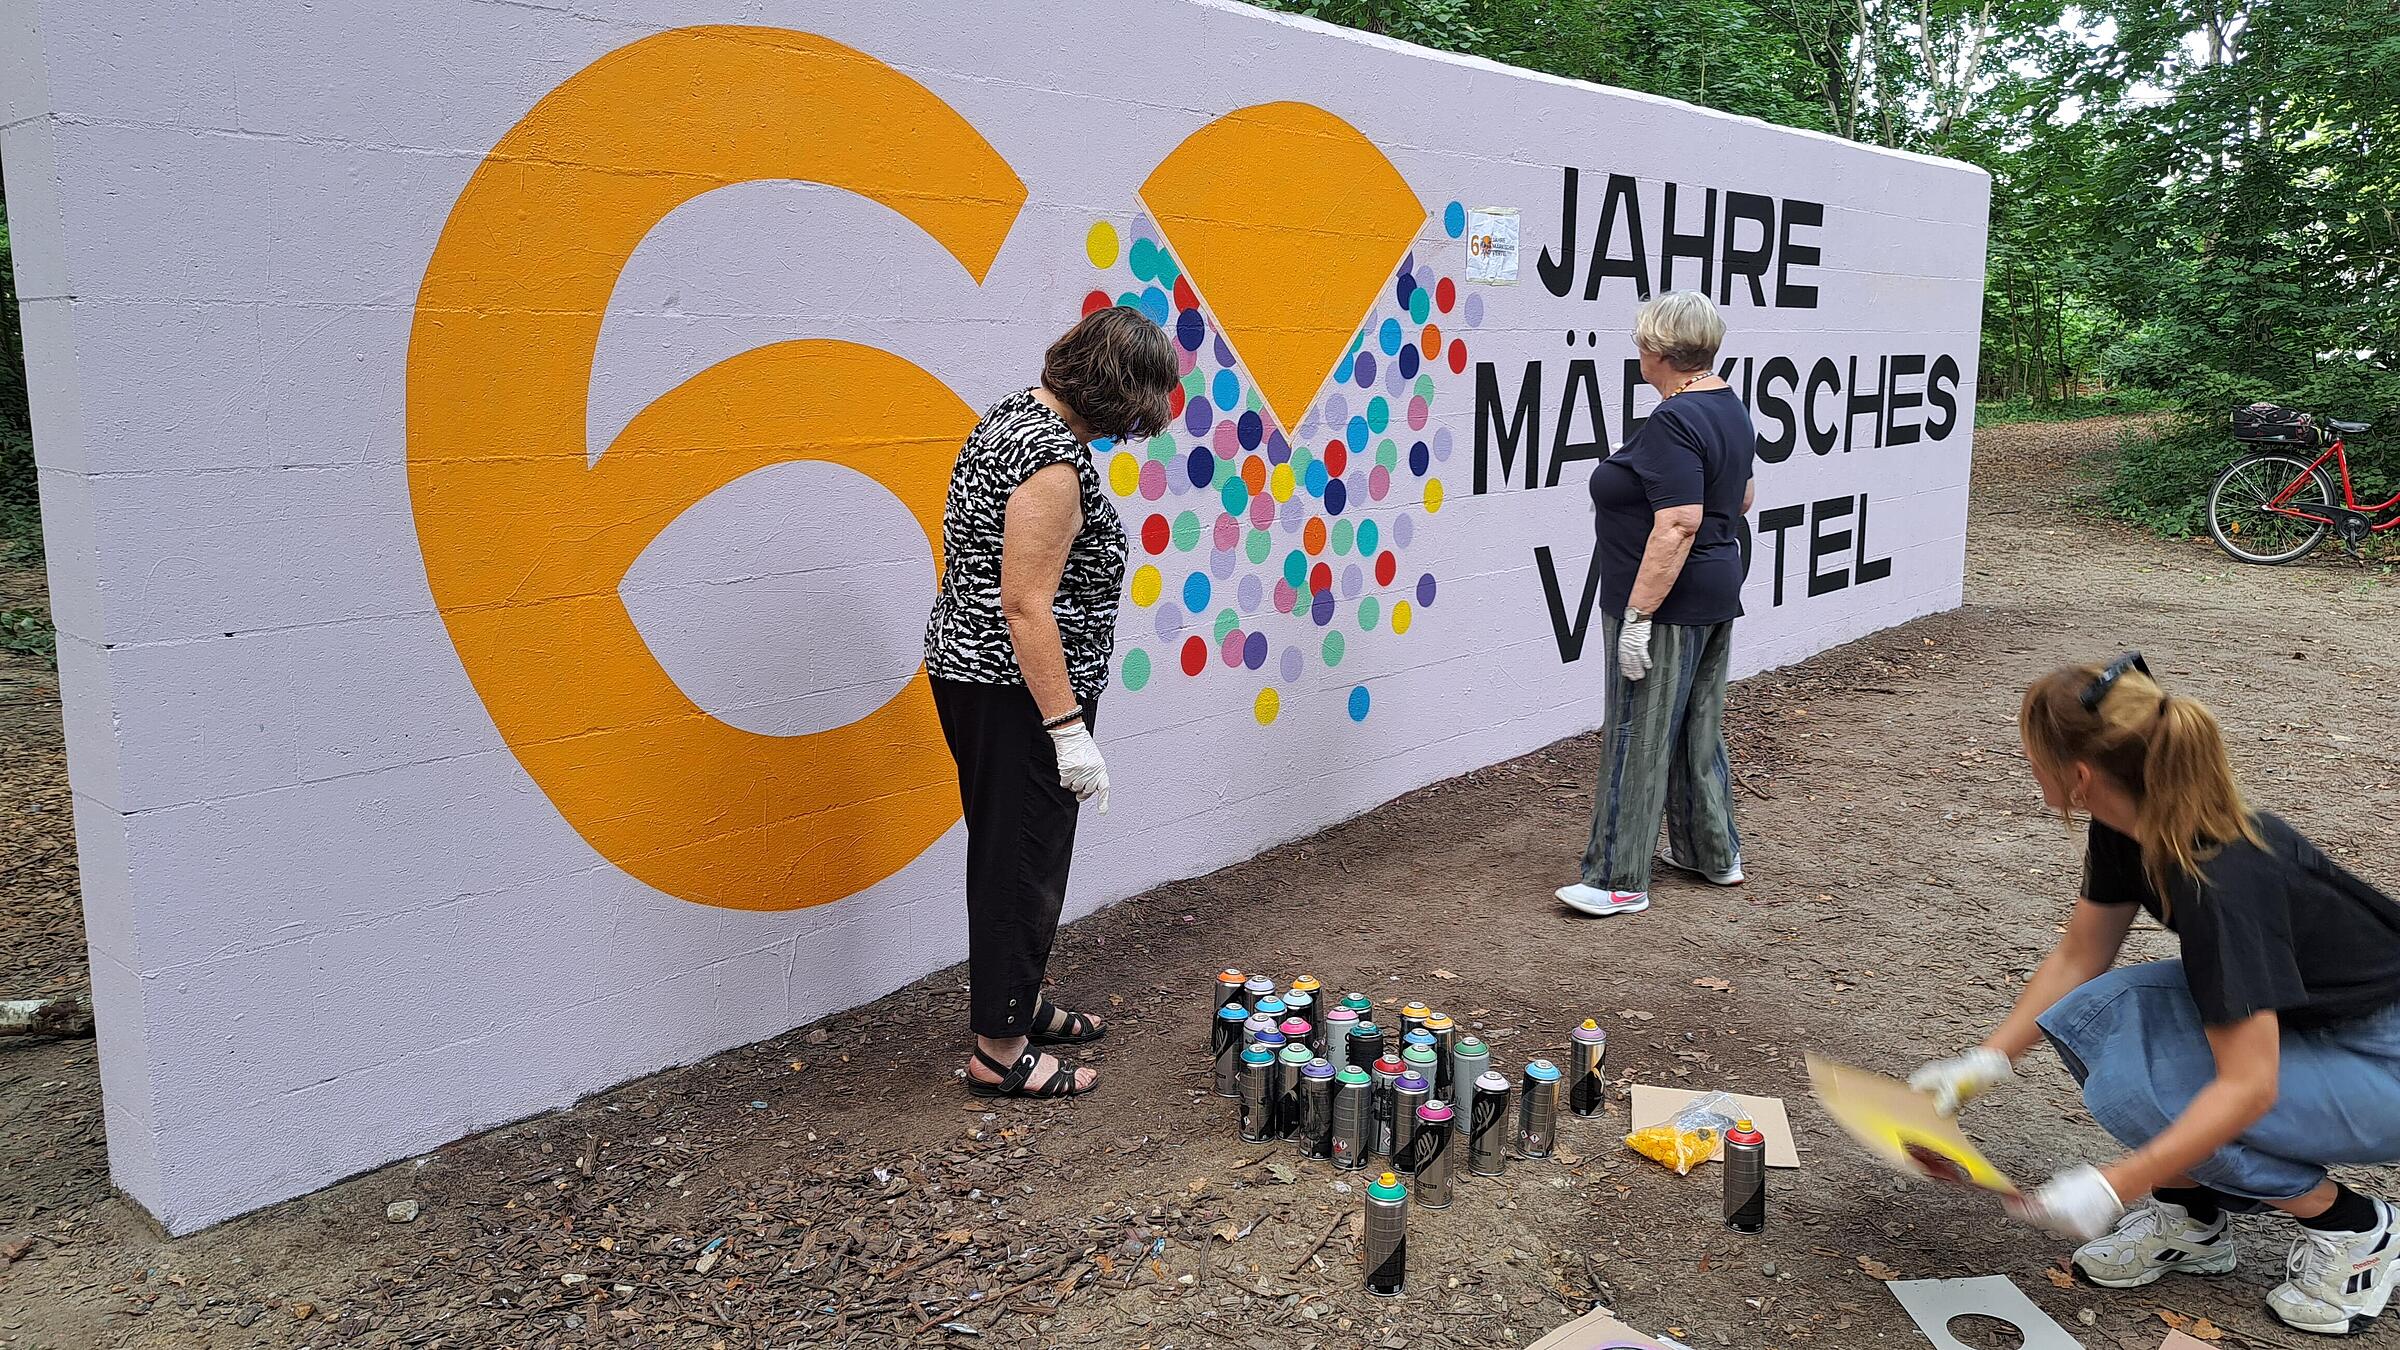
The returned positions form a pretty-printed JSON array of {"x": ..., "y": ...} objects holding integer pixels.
[{"x": 352, "y": 881}]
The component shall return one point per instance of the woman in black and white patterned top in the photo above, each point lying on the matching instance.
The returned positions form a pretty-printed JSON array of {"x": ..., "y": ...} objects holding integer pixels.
[{"x": 1033, "y": 565}]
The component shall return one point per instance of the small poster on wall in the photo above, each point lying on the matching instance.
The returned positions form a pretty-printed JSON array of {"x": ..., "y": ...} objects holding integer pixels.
[{"x": 1492, "y": 245}]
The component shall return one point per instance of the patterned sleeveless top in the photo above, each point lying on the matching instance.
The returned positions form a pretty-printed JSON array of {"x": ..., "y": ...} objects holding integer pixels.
[{"x": 967, "y": 637}]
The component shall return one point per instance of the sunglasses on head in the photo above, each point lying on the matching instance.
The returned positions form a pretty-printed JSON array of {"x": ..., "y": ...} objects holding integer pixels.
[{"x": 2097, "y": 690}]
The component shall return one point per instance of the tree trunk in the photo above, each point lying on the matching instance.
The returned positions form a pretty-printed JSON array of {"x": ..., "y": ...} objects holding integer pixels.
[{"x": 68, "y": 1015}]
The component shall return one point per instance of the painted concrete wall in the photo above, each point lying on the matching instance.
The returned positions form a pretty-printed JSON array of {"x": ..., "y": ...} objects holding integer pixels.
[{"x": 491, "y": 455}]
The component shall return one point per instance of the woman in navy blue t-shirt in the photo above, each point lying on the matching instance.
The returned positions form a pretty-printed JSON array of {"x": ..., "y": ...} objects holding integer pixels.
[{"x": 1668, "y": 510}]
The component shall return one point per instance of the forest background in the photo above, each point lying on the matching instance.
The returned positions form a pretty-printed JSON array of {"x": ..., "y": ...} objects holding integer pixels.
[{"x": 2195, "y": 203}]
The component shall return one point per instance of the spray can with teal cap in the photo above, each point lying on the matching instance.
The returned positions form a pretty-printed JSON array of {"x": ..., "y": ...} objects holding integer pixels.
[
  {"x": 1537, "y": 1110},
  {"x": 1258, "y": 1088},
  {"x": 1232, "y": 1030}
]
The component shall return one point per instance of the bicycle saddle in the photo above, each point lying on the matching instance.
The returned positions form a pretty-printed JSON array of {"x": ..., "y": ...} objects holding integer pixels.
[{"x": 2349, "y": 428}]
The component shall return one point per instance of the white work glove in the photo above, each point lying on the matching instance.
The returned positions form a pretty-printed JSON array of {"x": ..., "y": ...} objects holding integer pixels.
[
  {"x": 1962, "y": 1078},
  {"x": 2077, "y": 1204},
  {"x": 1633, "y": 645},
  {"x": 1080, "y": 768}
]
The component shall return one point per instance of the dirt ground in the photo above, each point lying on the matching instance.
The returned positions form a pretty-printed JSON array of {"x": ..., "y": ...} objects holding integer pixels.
[{"x": 836, "y": 1187}]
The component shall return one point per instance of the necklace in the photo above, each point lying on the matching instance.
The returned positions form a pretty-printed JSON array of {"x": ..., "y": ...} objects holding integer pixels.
[{"x": 1689, "y": 383}]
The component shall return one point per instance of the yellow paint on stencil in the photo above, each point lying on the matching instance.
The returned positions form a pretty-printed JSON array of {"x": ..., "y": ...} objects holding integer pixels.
[
  {"x": 1266, "y": 707},
  {"x": 1433, "y": 496},
  {"x": 1101, "y": 244},
  {"x": 1124, "y": 473},
  {"x": 525, "y": 539},
  {"x": 1147, "y": 583},
  {"x": 1289, "y": 222},
  {"x": 1280, "y": 483},
  {"x": 1402, "y": 616}
]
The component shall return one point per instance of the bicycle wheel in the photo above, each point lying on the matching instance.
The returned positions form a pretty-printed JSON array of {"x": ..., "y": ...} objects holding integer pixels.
[{"x": 2239, "y": 518}]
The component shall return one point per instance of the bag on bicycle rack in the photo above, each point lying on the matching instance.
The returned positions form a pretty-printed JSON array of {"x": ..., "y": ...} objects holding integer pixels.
[{"x": 2271, "y": 424}]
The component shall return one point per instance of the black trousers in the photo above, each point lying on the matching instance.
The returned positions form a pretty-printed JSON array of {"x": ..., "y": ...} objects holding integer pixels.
[{"x": 1020, "y": 841}]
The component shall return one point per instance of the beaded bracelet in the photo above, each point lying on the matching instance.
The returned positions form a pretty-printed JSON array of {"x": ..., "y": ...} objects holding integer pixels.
[{"x": 1063, "y": 719}]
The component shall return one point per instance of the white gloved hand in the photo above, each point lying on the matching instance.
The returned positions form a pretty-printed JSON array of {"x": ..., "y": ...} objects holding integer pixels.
[
  {"x": 1633, "y": 645},
  {"x": 1962, "y": 1078},
  {"x": 1080, "y": 768},
  {"x": 2077, "y": 1204}
]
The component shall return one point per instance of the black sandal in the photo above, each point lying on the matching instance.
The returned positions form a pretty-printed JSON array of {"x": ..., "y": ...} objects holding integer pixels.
[
  {"x": 1075, "y": 1028},
  {"x": 1013, "y": 1079}
]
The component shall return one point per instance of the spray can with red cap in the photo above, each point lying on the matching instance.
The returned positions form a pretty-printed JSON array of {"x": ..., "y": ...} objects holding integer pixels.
[{"x": 1745, "y": 1177}]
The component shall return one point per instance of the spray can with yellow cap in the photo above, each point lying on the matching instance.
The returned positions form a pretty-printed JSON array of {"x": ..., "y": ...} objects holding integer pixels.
[
  {"x": 1585, "y": 1082},
  {"x": 1445, "y": 1038},
  {"x": 1745, "y": 1177},
  {"x": 1412, "y": 1016},
  {"x": 1386, "y": 1249}
]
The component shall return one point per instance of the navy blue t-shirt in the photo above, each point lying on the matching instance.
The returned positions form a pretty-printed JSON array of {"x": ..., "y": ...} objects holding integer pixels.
[{"x": 1697, "y": 449}]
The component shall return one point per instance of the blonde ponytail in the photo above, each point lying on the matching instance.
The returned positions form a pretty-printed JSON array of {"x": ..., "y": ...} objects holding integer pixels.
[{"x": 2167, "y": 752}]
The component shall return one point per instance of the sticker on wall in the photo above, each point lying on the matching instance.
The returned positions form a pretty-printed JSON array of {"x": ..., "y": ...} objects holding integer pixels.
[{"x": 1492, "y": 245}]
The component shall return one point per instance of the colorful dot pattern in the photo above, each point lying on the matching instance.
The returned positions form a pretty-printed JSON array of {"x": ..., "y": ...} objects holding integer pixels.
[{"x": 1255, "y": 553}]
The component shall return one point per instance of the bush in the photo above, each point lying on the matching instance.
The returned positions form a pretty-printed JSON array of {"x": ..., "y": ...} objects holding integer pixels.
[
  {"x": 2161, "y": 474},
  {"x": 2021, "y": 407}
]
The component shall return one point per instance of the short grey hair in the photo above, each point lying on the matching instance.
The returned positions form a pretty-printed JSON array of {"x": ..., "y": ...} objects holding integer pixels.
[{"x": 1681, "y": 328}]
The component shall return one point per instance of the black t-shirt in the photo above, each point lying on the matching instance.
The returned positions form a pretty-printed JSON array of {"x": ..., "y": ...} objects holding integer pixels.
[
  {"x": 2279, "y": 929},
  {"x": 1697, "y": 449}
]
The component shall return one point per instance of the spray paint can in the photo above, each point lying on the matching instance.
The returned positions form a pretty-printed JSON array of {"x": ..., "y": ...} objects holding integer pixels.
[
  {"x": 1586, "y": 1085},
  {"x": 1270, "y": 1006},
  {"x": 1412, "y": 1016},
  {"x": 1297, "y": 1031},
  {"x": 1422, "y": 1061},
  {"x": 1232, "y": 1031},
  {"x": 1338, "y": 1024},
  {"x": 1366, "y": 1044},
  {"x": 1258, "y": 1072},
  {"x": 1537, "y": 1110},
  {"x": 1353, "y": 1118},
  {"x": 1252, "y": 1026},
  {"x": 1269, "y": 1040},
  {"x": 1288, "y": 1065},
  {"x": 1385, "y": 1074},
  {"x": 1487, "y": 1131},
  {"x": 1445, "y": 1036},
  {"x": 1256, "y": 988},
  {"x": 1436, "y": 1154},
  {"x": 1468, "y": 1061},
  {"x": 1411, "y": 1092},
  {"x": 1300, "y": 1004},
  {"x": 1315, "y": 1134},
  {"x": 1386, "y": 1249},
  {"x": 1229, "y": 990},
  {"x": 1745, "y": 1178},
  {"x": 1418, "y": 1039},
  {"x": 1360, "y": 1004},
  {"x": 1307, "y": 984}
]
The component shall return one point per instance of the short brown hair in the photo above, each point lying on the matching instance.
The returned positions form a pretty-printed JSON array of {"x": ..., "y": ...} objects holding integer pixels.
[{"x": 1116, "y": 369}]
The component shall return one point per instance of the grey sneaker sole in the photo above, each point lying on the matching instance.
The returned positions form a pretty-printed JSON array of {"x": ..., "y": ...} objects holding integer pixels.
[
  {"x": 1733, "y": 878},
  {"x": 2221, "y": 1264}
]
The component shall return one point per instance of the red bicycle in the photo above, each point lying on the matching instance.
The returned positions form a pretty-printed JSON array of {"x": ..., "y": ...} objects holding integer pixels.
[{"x": 2276, "y": 505}]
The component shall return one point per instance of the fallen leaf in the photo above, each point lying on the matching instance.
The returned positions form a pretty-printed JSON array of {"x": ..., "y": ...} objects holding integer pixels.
[
  {"x": 1116, "y": 1000},
  {"x": 1282, "y": 1172},
  {"x": 1228, "y": 1230},
  {"x": 301, "y": 1312},
  {"x": 1720, "y": 986},
  {"x": 1441, "y": 974},
  {"x": 2202, "y": 1329},
  {"x": 1876, "y": 1269},
  {"x": 2174, "y": 1319},
  {"x": 2060, "y": 1278},
  {"x": 15, "y": 1251},
  {"x": 1198, "y": 1185},
  {"x": 1631, "y": 1016},
  {"x": 1107, "y": 1266}
]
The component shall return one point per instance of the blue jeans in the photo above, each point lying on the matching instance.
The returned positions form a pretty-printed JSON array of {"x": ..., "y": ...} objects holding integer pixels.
[{"x": 2135, "y": 1041}]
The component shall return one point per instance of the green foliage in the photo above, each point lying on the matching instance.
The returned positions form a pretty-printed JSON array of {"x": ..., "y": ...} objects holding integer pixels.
[
  {"x": 20, "y": 512},
  {"x": 2159, "y": 477},
  {"x": 2117, "y": 402},
  {"x": 29, "y": 631}
]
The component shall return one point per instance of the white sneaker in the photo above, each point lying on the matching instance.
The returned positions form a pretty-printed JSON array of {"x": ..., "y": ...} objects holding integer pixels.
[
  {"x": 2339, "y": 1282},
  {"x": 1592, "y": 900},
  {"x": 2152, "y": 1241},
  {"x": 1731, "y": 877}
]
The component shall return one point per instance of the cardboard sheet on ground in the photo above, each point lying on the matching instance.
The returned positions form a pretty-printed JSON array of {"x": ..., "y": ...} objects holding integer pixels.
[
  {"x": 2176, "y": 1340},
  {"x": 1657, "y": 1106},
  {"x": 1596, "y": 1330},
  {"x": 1898, "y": 1124}
]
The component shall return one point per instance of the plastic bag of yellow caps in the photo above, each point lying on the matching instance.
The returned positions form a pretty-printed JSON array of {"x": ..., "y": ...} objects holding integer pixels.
[{"x": 1689, "y": 1139}]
